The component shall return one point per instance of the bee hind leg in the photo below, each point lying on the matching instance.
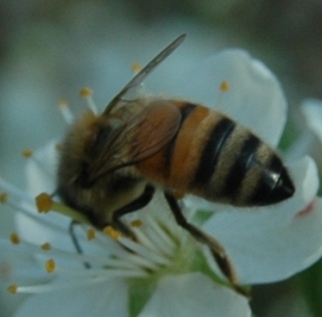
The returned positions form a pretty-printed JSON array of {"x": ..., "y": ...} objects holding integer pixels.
[
  {"x": 135, "y": 205},
  {"x": 216, "y": 248}
]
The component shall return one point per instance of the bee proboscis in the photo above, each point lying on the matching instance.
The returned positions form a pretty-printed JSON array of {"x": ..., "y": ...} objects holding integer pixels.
[{"x": 111, "y": 163}]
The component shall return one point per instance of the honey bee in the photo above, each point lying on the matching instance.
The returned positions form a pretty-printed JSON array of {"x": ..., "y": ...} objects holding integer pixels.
[{"x": 112, "y": 163}]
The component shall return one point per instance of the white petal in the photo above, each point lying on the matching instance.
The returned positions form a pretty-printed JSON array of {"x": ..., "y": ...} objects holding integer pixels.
[
  {"x": 272, "y": 243},
  {"x": 193, "y": 295},
  {"x": 254, "y": 99},
  {"x": 41, "y": 169},
  {"x": 53, "y": 228},
  {"x": 17, "y": 264},
  {"x": 101, "y": 300},
  {"x": 312, "y": 110}
]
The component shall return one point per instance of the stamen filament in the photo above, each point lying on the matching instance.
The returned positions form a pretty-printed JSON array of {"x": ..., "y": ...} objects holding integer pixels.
[
  {"x": 87, "y": 93},
  {"x": 130, "y": 261},
  {"x": 91, "y": 104},
  {"x": 41, "y": 288},
  {"x": 65, "y": 111},
  {"x": 69, "y": 212},
  {"x": 146, "y": 253},
  {"x": 109, "y": 273},
  {"x": 116, "y": 249},
  {"x": 159, "y": 237},
  {"x": 101, "y": 277}
]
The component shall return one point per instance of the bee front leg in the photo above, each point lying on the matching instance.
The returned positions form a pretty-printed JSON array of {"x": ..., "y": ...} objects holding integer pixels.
[
  {"x": 135, "y": 205},
  {"x": 216, "y": 248}
]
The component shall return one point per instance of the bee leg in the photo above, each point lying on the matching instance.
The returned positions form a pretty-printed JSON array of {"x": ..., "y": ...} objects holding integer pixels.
[
  {"x": 216, "y": 248},
  {"x": 135, "y": 205},
  {"x": 76, "y": 242}
]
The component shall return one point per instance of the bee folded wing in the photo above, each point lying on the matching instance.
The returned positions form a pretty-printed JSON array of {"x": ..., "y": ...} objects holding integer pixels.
[
  {"x": 143, "y": 135},
  {"x": 153, "y": 128}
]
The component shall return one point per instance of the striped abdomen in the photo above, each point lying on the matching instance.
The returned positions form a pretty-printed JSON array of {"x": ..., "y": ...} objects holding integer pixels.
[{"x": 218, "y": 159}]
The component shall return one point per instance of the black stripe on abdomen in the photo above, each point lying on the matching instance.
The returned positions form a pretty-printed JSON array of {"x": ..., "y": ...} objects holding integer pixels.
[
  {"x": 244, "y": 162},
  {"x": 210, "y": 154},
  {"x": 186, "y": 111}
]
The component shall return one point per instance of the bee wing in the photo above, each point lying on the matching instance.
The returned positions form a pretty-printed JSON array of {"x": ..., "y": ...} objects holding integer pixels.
[
  {"x": 143, "y": 135},
  {"x": 153, "y": 128},
  {"x": 136, "y": 80}
]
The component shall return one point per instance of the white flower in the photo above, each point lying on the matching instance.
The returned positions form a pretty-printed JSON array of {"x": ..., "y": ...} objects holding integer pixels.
[
  {"x": 312, "y": 132},
  {"x": 312, "y": 110},
  {"x": 167, "y": 273}
]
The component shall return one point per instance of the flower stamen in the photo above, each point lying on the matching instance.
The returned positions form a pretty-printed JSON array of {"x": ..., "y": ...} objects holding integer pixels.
[
  {"x": 44, "y": 203},
  {"x": 65, "y": 111},
  {"x": 141, "y": 250},
  {"x": 87, "y": 93}
]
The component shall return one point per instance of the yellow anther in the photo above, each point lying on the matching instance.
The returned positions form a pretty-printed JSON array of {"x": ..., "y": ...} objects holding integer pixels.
[
  {"x": 91, "y": 234},
  {"x": 50, "y": 266},
  {"x": 86, "y": 92},
  {"x": 224, "y": 86},
  {"x": 113, "y": 233},
  {"x": 27, "y": 153},
  {"x": 44, "y": 202},
  {"x": 46, "y": 246},
  {"x": 14, "y": 238},
  {"x": 3, "y": 198},
  {"x": 136, "y": 223},
  {"x": 136, "y": 67},
  {"x": 63, "y": 103},
  {"x": 12, "y": 288}
]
